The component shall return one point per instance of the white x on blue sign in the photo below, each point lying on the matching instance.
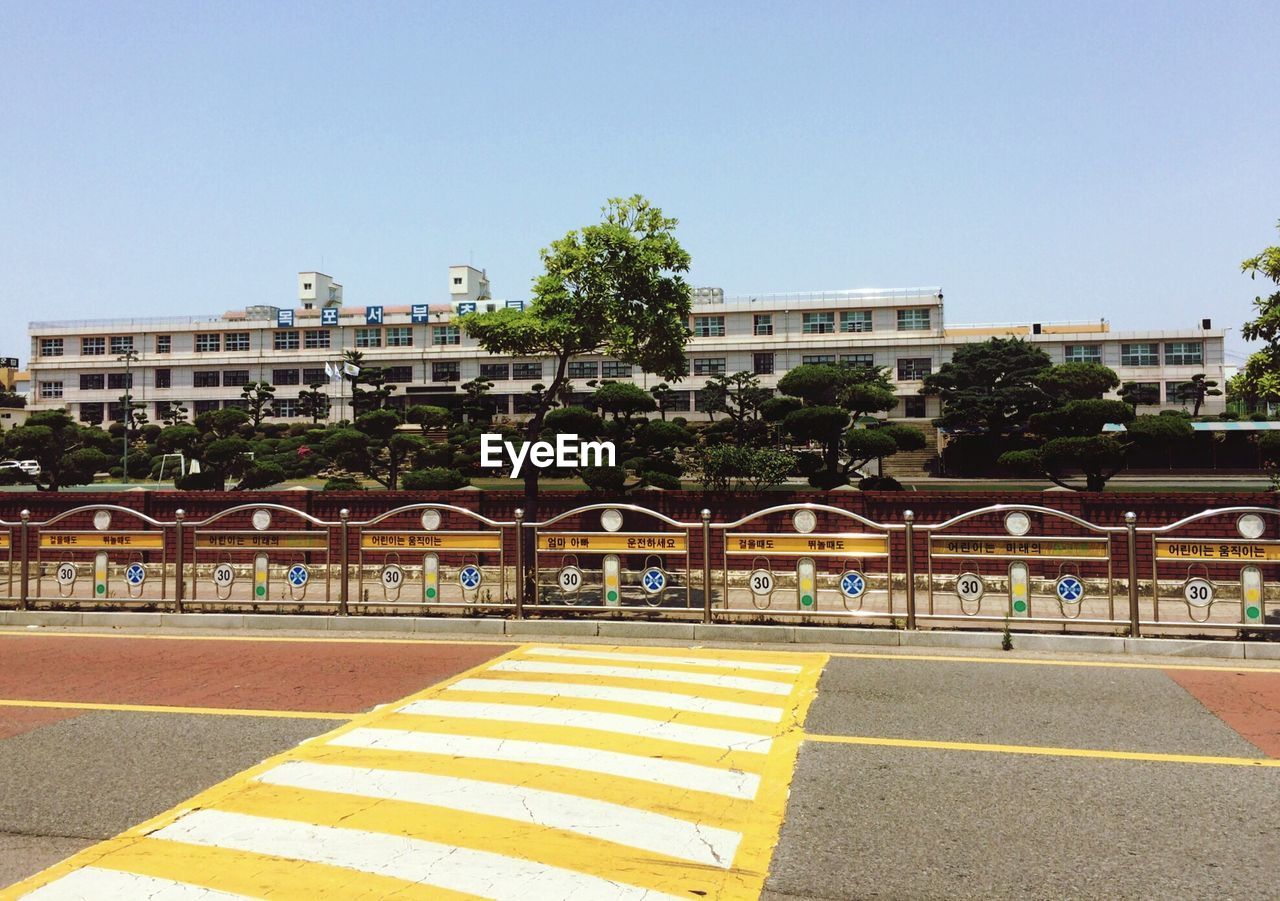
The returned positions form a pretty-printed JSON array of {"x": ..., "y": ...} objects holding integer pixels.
[
  {"x": 852, "y": 584},
  {"x": 469, "y": 577},
  {"x": 135, "y": 574},
  {"x": 298, "y": 575},
  {"x": 1070, "y": 589},
  {"x": 653, "y": 580}
]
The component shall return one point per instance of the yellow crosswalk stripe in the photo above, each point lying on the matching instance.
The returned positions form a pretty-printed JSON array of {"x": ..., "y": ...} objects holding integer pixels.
[{"x": 655, "y": 773}]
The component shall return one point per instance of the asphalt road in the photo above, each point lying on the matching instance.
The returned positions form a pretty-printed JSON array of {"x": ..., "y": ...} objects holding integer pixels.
[{"x": 918, "y": 775}]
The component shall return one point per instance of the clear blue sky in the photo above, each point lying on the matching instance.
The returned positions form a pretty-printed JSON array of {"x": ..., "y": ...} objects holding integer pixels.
[{"x": 1055, "y": 161}]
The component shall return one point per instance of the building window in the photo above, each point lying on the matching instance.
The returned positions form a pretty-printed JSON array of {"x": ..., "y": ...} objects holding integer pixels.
[
  {"x": 164, "y": 378},
  {"x": 913, "y": 407},
  {"x": 208, "y": 342},
  {"x": 239, "y": 403},
  {"x": 762, "y": 364},
  {"x": 450, "y": 371},
  {"x": 855, "y": 321},
  {"x": 678, "y": 402},
  {"x": 204, "y": 406},
  {"x": 122, "y": 381},
  {"x": 1140, "y": 355},
  {"x": 1082, "y": 353},
  {"x": 702, "y": 400},
  {"x": 762, "y": 324},
  {"x": 93, "y": 347},
  {"x": 287, "y": 340},
  {"x": 164, "y": 344},
  {"x": 285, "y": 377},
  {"x": 400, "y": 336},
  {"x": 121, "y": 344},
  {"x": 306, "y": 286},
  {"x": 1172, "y": 392},
  {"x": 316, "y": 339},
  {"x": 235, "y": 378},
  {"x": 50, "y": 347},
  {"x": 398, "y": 373},
  {"x": 314, "y": 377},
  {"x": 205, "y": 379},
  {"x": 866, "y": 361},
  {"x": 818, "y": 359},
  {"x": 92, "y": 412},
  {"x": 92, "y": 381},
  {"x": 708, "y": 326},
  {"x": 708, "y": 366},
  {"x": 522, "y": 371},
  {"x": 915, "y": 319},
  {"x": 115, "y": 411},
  {"x": 285, "y": 407},
  {"x": 588, "y": 369},
  {"x": 237, "y": 341},
  {"x": 1183, "y": 353},
  {"x": 445, "y": 335},
  {"x": 612, "y": 369},
  {"x": 497, "y": 372},
  {"x": 457, "y": 279},
  {"x": 818, "y": 323},
  {"x": 911, "y": 369},
  {"x": 51, "y": 390}
]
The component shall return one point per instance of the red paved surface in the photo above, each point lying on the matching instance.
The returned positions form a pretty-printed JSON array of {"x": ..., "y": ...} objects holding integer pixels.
[
  {"x": 1247, "y": 702},
  {"x": 339, "y": 677},
  {"x": 16, "y": 720}
]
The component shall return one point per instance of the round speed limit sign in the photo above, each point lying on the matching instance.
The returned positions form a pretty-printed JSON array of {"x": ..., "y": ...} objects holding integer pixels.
[
  {"x": 570, "y": 579},
  {"x": 970, "y": 587},
  {"x": 392, "y": 577},
  {"x": 1198, "y": 592},
  {"x": 66, "y": 574},
  {"x": 223, "y": 575},
  {"x": 761, "y": 582}
]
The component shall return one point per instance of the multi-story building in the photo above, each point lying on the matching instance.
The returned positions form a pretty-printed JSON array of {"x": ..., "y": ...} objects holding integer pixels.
[{"x": 202, "y": 362}]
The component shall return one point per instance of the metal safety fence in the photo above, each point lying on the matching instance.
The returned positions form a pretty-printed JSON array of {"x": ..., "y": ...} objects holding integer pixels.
[{"x": 1020, "y": 566}]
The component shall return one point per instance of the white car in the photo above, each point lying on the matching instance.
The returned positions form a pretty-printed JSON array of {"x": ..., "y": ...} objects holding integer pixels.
[{"x": 30, "y": 467}]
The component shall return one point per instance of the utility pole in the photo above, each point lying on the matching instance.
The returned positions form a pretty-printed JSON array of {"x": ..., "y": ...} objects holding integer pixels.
[{"x": 129, "y": 357}]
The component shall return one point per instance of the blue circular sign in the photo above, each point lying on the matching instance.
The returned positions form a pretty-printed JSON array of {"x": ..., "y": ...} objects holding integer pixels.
[
  {"x": 469, "y": 577},
  {"x": 298, "y": 575},
  {"x": 852, "y": 584},
  {"x": 135, "y": 574},
  {"x": 653, "y": 580},
  {"x": 1070, "y": 590}
]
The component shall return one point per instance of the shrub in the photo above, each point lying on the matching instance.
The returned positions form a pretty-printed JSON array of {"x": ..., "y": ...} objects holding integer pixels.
[
  {"x": 879, "y": 483},
  {"x": 604, "y": 478},
  {"x": 260, "y": 475},
  {"x": 1228, "y": 416},
  {"x": 341, "y": 483},
  {"x": 434, "y": 478},
  {"x": 206, "y": 480},
  {"x": 825, "y": 480}
]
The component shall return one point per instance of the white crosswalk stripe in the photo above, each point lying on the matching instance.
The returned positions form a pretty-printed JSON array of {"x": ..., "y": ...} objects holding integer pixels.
[{"x": 653, "y": 674}]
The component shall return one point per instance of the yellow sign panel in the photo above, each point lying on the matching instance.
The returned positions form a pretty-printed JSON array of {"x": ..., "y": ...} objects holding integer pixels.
[
  {"x": 102, "y": 541},
  {"x": 431, "y": 541},
  {"x": 1019, "y": 547},
  {"x": 838, "y": 545},
  {"x": 261, "y": 540},
  {"x": 4, "y": 540},
  {"x": 1207, "y": 549},
  {"x": 610, "y": 542}
]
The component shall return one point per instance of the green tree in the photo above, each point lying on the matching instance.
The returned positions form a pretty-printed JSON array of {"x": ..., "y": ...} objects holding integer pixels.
[
  {"x": 1136, "y": 394},
  {"x": 477, "y": 406},
  {"x": 427, "y": 417},
  {"x": 258, "y": 397},
  {"x": 613, "y": 288},
  {"x": 314, "y": 402},
  {"x": 662, "y": 397},
  {"x": 990, "y": 388},
  {"x": 1259, "y": 380},
  {"x": 739, "y": 396},
  {"x": 622, "y": 400},
  {"x": 1197, "y": 390},
  {"x": 369, "y": 386},
  {"x": 68, "y": 453},
  {"x": 374, "y": 447},
  {"x": 1077, "y": 381},
  {"x": 175, "y": 414}
]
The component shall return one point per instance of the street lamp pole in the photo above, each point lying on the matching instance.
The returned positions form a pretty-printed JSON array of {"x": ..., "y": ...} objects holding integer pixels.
[{"x": 129, "y": 357}]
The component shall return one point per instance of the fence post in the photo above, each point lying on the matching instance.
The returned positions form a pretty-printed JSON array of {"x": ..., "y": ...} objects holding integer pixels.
[
  {"x": 1131, "y": 527},
  {"x": 706, "y": 567},
  {"x": 344, "y": 584},
  {"x": 24, "y": 590},
  {"x": 908, "y": 534},
  {"x": 519, "y": 563},
  {"x": 178, "y": 516}
]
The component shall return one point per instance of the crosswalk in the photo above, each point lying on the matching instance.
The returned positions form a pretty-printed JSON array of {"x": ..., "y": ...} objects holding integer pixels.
[{"x": 550, "y": 772}]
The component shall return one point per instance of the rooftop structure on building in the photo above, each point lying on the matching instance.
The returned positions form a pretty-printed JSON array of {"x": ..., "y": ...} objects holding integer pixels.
[{"x": 203, "y": 361}]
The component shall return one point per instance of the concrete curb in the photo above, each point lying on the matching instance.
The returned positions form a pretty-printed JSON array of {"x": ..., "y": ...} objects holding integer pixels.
[{"x": 446, "y": 627}]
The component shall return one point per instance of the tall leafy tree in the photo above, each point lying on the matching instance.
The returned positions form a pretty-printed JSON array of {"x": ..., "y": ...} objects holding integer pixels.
[
  {"x": 314, "y": 402},
  {"x": 1197, "y": 391},
  {"x": 990, "y": 388},
  {"x": 616, "y": 288},
  {"x": 1259, "y": 381},
  {"x": 258, "y": 398},
  {"x": 68, "y": 453}
]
